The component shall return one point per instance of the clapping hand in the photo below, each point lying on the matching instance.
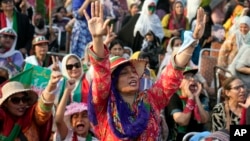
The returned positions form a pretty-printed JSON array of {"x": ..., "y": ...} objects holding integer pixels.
[
  {"x": 97, "y": 26},
  {"x": 200, "y": 24}
]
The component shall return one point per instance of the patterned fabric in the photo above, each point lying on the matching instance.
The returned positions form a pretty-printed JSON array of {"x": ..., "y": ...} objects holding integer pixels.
[
  {"x": 80, "y": 36},
  {"x": 157, "y": 96},
  {"x": 219, "y": 117}
]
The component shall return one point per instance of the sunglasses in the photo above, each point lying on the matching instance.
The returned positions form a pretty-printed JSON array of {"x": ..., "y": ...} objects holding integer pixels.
[
  {"x": 70, "y": 66},
  {"x": 17, "y": 100},
  {"x": 8, "y": 36},
  {"x": 6, "y": 1}
]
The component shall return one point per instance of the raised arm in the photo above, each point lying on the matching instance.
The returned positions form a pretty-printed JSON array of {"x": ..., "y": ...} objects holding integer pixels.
[
  {"x": 97, "y": 27},
  {"x": 59, "y": 117},
  {"x": 183, "y": 56},
  {"x": 46, "y": 100}
]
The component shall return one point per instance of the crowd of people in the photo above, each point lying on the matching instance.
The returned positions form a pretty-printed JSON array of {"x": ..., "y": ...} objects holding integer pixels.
[{"x": 123, "y": 75}]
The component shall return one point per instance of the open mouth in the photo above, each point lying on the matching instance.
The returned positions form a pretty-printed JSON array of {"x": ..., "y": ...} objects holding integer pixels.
[
  {"x": 133, "y": 83},
  {"x": 193, "y": 87},
  {"x": 80, "y": 126}
]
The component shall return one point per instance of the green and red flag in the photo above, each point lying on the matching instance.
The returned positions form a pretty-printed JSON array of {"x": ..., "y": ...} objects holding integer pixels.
[{"x": 34, "y": 77}]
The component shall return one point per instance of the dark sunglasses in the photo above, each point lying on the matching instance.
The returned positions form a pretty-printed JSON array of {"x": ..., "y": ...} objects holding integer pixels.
[
  {"x": 70, "y": 66},
  {"x": 6, "y": 1},
  {"x": 8, "y": 36},
  {"x": 17, "y": 100}
]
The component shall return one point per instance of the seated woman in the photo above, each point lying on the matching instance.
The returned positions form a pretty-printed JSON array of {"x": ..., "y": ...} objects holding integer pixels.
[
  {"x": 188, "y": 107},
  {"x": 234, "y": 42},
  {"x": 117, "y": 109},
  {"x": 9, "y": 57},
  {"x": 24, "y": 116},
  {"x": 229, "y": 111},
  {"x": 40, "y": 47},
  {"x": 72, "y": 68},
  {"x": 175, "y": 23},
  {"x": 116, "y": 48}
]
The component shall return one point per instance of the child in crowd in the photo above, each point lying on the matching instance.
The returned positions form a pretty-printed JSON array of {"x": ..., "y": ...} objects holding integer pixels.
[{"x": 72, "y": 124}]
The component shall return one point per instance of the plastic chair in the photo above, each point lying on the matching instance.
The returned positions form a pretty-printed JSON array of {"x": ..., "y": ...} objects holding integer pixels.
[
  {"x": 188, "y": 136},
  {"x": 58, "y": 33},
  {"x": 207, "y": 64}
]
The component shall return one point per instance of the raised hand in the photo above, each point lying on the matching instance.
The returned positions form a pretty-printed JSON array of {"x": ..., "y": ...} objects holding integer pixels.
[
  {"x": 97, "y": 26},
  {"x": 200, "y": 24},
  {"x": 70, "y": 84},
  {"x": 55, "y": 77},
  {"x": 110, "y": 35},
  {"x": 55, "y": 63},
  {"x": 246, "y": 104}
]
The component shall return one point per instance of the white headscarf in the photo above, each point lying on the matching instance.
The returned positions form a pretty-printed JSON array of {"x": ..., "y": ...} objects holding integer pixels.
[
  {"x": 12, "y": 50},
  {"x": 64, "y": 62},
  {"x": 147, "y": 22},
  {"x": 240, "y": 38}
]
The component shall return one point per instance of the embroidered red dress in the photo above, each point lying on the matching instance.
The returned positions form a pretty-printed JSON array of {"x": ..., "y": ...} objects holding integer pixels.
[{"x": 158, "y": 97}]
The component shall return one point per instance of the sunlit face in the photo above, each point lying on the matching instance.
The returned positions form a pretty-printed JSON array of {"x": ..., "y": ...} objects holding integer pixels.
[
  {"x": 244, "y": 28},
  {"x": 237, "y": 91},
  {"x": 7, "y": 5},
  {"x": 80, "y": 123},
  {"x": 179, "y": 8},
  {"x": 134, "y": 9},
  {"x": 17, "y": 104},
  {"x": 117, "y": 50},
  {"x": 7, "y": 41},
  {"x": 75, "y": 71},
  {"x": 128, "y": 81},
  {"x": 41, "y": 49}
]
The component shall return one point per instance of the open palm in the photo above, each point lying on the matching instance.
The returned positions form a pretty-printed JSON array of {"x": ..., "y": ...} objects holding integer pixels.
[
  {"x": 97, "y": 26},
  {"x": 200, "y": 24}
]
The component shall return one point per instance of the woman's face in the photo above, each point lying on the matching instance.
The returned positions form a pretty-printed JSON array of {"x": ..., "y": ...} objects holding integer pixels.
[
  {"x": 41, "y": 49},
  {"x": 237, "y": 91},
  {"x": 244, "y": 28},
  {"x": 176, "y": 45},
  {"x": 178, "y": 8},
  {"x": 117, "y": 50},
  {"x": 73, "y": 67},
  {"x": 6, "y": 41},
  {"x": 151, "y": 9},
  {"x": 128, "y": 81},
  {"x": 134, "y": 9},
  {"x": 7, "y": 5},
  {"x": 17, "y": 104},
  {"x": 80, "y": 123}
]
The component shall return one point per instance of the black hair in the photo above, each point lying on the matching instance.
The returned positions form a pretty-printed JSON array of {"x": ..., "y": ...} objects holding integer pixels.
[
  {"x": 143, "y": 55},
  {"x": 59, "y": 9},
  {"x": 115, "y": 42}
]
